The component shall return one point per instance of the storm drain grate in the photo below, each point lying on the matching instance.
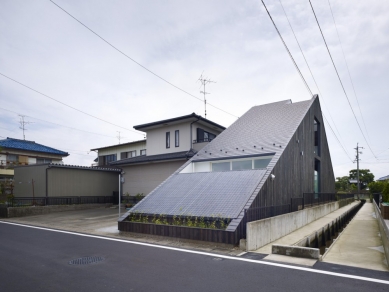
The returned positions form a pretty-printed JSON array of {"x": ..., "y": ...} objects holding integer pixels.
[{"x": 86, "y": 260}]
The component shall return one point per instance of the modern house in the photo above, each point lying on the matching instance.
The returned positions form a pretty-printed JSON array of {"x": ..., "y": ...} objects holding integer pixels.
[
  {"x": 169, "y": 144},
  {"x": 273, "y": 153},
  {"x": 15, "y": 152}
]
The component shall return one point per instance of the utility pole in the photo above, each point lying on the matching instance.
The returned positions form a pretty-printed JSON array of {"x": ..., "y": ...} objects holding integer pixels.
[
  {"x": 23, "y": 124},
  {"x": 357, "y": 159},
  {"x": 204, "y": 82}
]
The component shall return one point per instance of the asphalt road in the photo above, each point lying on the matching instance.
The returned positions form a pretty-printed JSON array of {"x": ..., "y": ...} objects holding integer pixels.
[{"x": 38, "y": 260}]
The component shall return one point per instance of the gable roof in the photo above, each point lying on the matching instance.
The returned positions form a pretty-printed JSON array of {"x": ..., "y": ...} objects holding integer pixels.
[
  {"x": 120, "y": 145},
  {"x": 191, "y": 117},
  {"x": 265, "y": 129},
  {"x": 11, "y": 143}
]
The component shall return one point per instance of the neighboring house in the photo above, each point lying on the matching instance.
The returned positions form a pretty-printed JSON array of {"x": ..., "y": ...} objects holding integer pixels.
[
  {"x": 22, "y": 152},
  {"x": 169, "y": 144},
  {"x": 384, "y": 178},
  {"x": 59, "y": 180},
  {"x": 273, "y": 153}
]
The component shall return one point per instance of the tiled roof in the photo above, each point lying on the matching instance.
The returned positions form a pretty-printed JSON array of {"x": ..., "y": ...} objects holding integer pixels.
[
  {"x": 25, "y": 145},
  {"x": 263, "y": 129},
  {"x": 384, "y": 178},
  {"x": 154, "y": 158}
]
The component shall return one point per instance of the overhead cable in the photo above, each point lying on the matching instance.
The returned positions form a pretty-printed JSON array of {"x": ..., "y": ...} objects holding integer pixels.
[
  {"x": 341, "y": 80},
  {"x": 69, "y": 106},
  {"x": 136, "y": 62}
]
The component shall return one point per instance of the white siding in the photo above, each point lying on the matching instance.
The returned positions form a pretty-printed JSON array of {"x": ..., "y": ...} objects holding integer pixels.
[
  {"x": 156, "y": 139},
  {"x": 123, "y": 148}
]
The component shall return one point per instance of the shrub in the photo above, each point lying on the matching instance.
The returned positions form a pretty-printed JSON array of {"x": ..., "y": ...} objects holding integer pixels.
[{"x": 385, "y": 193}]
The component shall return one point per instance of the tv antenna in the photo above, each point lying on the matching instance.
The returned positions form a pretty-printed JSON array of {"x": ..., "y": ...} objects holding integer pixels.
[
  {"x": 23, "y": 124},
  {"x": 204, "y": 81},
  {"x": 119, "y": 137}
]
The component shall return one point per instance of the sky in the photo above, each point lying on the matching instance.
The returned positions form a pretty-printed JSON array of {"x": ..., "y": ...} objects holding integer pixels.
[{"x": 233, "y": 43}]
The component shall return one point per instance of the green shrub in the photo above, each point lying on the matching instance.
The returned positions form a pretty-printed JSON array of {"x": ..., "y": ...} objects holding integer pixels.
[{"x": 385, "y": 193}]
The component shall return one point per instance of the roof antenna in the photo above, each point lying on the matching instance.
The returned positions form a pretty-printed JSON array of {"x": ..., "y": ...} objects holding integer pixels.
[
  {"x": 23, "y": 124},
  {"x": 119, "y": 137},
  {"x": 204, "y": 82}
]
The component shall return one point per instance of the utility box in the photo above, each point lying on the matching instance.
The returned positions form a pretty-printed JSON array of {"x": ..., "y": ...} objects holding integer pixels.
[{"x": 385, "y": 210}]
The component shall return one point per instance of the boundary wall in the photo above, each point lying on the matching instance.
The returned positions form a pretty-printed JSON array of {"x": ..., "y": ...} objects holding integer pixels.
[
  {"x": 384, "y": 230},
  {"x": 262, "y": 232}
]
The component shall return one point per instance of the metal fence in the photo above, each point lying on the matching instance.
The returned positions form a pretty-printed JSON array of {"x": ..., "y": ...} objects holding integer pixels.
[{"x": 47, "y": 201}]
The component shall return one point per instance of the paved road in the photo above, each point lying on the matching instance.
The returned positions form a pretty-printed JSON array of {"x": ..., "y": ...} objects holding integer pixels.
[{"x": 38, "y": 260}]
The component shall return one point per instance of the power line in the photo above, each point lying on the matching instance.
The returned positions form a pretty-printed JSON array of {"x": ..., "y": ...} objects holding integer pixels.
[
  {"x": 69, "y": 106},
  {"x": 302, "y": 77},
  {"x": 317, "y": 86},
  {"x": 57, "y": 124},
  {"x": 340, "y": 80},
  {"x": 136, "y": 62},
  {"x": 348, "y": 70},
  {"x": 287, "y": 49}
]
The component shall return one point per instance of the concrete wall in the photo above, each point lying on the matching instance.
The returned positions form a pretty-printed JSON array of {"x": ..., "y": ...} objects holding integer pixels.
[
  {"x": 156, "y": 139},
  {"x": 64, "y": 182},
  {"x": 262, "y": 232},
  {"x": 384, "y": 230},
  {"x": 23, "y": 177},
  {"x": 144, "y": 178}
]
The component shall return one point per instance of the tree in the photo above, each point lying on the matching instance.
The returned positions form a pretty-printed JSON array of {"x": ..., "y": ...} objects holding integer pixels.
[
  {"x": 342, "y": 184},
  {"x": 376, "y": 186},
  {"x": 365, "y": 177},
  {"x": 385, "y": 193}
]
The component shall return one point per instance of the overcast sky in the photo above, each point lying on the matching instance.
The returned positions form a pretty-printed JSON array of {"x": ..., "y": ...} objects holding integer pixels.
[{"x": 232, "y": 42}]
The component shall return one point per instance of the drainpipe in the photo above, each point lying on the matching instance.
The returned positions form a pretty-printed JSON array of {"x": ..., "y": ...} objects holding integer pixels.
[{"x": 191, "y": 140}]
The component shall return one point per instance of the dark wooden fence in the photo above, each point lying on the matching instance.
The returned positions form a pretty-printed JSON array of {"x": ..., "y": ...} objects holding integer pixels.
[{"x": 231, "y": 235}]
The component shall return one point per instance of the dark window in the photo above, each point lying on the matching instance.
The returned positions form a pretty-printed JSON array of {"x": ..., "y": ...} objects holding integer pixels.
[
  {"x": 132, "y": 153},
  {"x": 123, "y": 155},
  {"x": 316, "y": 129},
  {"x": 109, "y": 158},
  {"x": 177, "y": 138},
  {"x": 143, "y": 152},
  {"x": 167, "y": 139},
  {"x": 204, "y": 136}
]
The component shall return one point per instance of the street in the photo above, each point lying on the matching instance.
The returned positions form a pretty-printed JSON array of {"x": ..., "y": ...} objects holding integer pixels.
[{"x": 37, "y": 259}]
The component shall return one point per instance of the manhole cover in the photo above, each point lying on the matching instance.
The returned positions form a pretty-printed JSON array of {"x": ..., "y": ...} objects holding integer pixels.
[{"x": 86, "y": 260}]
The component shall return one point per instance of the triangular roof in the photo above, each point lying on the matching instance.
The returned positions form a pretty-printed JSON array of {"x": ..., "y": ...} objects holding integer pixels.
[
  {"x": 264, "y": 129},
  {"x": 11, "y": 143}
]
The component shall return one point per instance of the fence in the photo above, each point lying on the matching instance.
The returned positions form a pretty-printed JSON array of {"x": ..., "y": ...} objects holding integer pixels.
[{"x": 47, "y": 201}]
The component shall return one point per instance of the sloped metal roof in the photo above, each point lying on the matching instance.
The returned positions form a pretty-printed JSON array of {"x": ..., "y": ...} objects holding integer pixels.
[
  {"x": 261, "y": 130},
  {"x": 384, "y": 178},
  {"x": 202, "y": 194},
  {"x": 11, "y": 143}
]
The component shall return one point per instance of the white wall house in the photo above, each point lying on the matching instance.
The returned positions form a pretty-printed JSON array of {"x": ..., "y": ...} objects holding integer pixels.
[{"x": 169, "y": 144}]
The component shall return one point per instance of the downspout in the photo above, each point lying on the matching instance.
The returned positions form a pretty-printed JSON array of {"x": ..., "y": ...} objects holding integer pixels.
[{"x": 191, "y": 140}]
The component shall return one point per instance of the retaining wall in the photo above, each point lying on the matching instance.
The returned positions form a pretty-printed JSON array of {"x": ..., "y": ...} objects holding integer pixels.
[
  {"x": 40, "y": 210},
  {"x": 384, "y": 230},
  {"x": 262, "y": 232}
]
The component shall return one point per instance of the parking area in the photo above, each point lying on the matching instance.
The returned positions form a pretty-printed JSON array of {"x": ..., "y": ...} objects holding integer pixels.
[{"x": 103, "y": 222}]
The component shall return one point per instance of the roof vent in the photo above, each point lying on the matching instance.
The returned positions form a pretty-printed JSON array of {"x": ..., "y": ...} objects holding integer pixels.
[
  {"x": 210, "y": 153},
  {"x": 274, "y": 144},
  {"x": 236, "y": 148},
  {"x": 226, "y": 151},
  {"x": 243, "y": 150},
  {"x": 262, "y": 148},
  {"x": 255, "y": 146},
  {"x": 205, "y": 151},
  {"x": 280, "y": 146}
]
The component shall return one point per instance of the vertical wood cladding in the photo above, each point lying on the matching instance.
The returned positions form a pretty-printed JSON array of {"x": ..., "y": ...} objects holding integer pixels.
[{"x": 294, "y": 170}]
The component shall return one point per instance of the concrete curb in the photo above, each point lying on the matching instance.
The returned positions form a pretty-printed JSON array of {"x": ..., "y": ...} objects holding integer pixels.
[{"x": 296, "y": 251}]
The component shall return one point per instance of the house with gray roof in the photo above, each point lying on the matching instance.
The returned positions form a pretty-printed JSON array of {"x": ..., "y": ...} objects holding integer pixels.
[
  {"x": 170, "y": 143},
  {"x": 272, "y": 154}
]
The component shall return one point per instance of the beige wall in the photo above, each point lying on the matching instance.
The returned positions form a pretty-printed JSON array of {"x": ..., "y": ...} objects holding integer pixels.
[
  {"x": 156, "y": 139},
  {"x": 144, "y": 178},
  {"x": 64, "y": 182},
  {"x": 123, "y": 148},
  {"x": 23, "y": 177}
]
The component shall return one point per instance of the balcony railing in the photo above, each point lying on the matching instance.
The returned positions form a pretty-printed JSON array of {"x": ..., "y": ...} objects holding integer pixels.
[
  {"x": 202, "y": 140},
  {"x": 4, "y": 164}
]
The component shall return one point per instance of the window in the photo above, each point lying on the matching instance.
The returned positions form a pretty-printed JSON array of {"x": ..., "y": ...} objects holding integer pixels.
[
  {"x": 43, "y": 160},
  {"x": 204, "y": 136},
  {"x": 316, "y": 177},
  {"x": 109, "y": 158},
  {"x": 261, "y": 163},
  {"x": 177, "y": 138},
  {"x": 316, "y": 128},
  {"x": 132, "y": 154},
  {"x": 123, "y": 155},
  {"x": 167, "y": 139},
  {"x": 242, "y": 164},
  {"x": 221, "y": 166},
  {"x": 143, "y": 152},
  {"x": 12, "y": 158}
]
